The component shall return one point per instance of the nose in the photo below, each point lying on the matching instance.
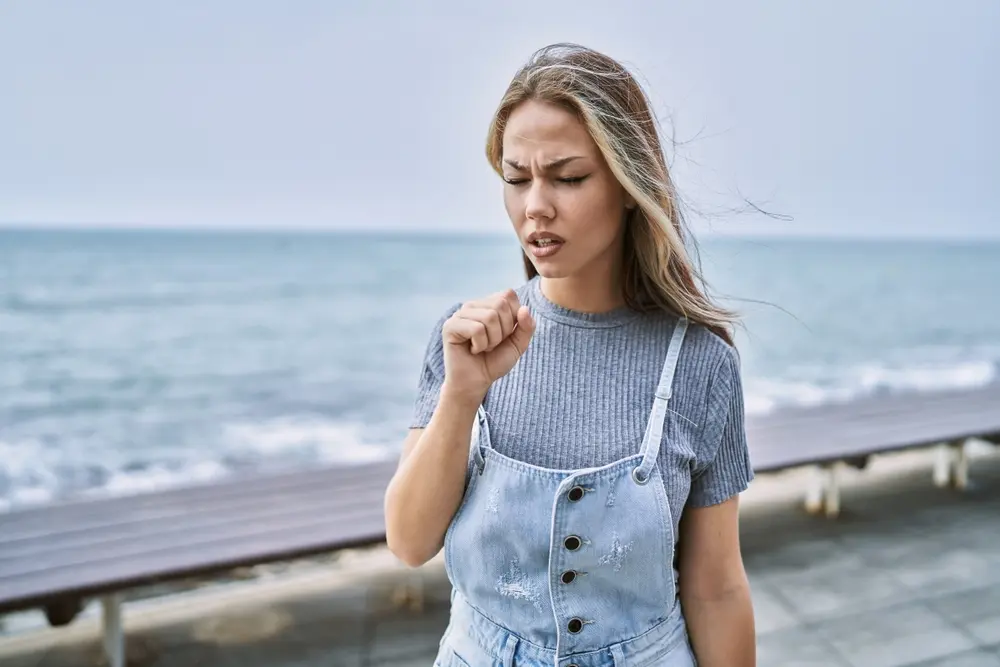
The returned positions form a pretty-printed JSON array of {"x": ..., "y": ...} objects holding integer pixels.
[{"x": 538, "y": 202}]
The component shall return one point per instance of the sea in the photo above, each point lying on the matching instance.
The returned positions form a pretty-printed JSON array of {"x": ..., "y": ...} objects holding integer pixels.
[{"x": 140, "y": 360}]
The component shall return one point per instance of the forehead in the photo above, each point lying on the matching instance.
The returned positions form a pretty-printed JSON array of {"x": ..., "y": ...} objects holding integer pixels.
[{"x": 544, "y": 128}]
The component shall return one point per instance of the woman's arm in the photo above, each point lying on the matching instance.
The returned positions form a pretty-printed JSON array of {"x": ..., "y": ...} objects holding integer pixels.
[
  {"x": 427, "y": 488},
  {"x": 714, "y": 591},
  {"x": 478, "y": 343}
]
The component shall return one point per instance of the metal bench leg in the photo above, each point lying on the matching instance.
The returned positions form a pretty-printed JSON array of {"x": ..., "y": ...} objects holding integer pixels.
[
  {"x": 951, "y": 465},
  {"x": 114, "y": 636},
  {"x": 816, "y": 489},
  {"x": 823, "y": 493},
  {"x": 942, "y": 465},
  {"x": 831, "y": 496},
  {"x": 959, "y": 465}
]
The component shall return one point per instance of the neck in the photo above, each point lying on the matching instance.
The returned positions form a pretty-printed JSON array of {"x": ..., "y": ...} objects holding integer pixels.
[{"x": 594, "y": 292}]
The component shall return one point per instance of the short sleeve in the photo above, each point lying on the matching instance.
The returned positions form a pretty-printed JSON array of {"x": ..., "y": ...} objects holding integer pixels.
[
  {"x": 431, "y": 375},
  {"x": 723, "y": 468}
]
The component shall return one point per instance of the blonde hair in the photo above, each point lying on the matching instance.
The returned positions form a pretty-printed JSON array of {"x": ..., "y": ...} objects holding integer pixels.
[{"x": 658, "y": 273}]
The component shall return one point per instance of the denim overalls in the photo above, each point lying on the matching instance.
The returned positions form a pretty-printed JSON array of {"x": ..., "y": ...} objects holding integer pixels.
[{"x": 563, "y": 568}]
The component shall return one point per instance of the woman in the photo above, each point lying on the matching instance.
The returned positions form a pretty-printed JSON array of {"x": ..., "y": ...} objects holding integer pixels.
[{"x": 593, "y": 521}]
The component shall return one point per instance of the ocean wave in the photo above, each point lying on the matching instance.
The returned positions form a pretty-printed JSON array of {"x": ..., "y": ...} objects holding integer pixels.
[
  {"x": 318, "y": 439},
  {"x": 33, "y": 474},
  {"x": 804, "y": 388}
]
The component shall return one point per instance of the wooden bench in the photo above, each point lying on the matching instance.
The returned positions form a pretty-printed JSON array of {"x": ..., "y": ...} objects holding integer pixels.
[
  {"x": 832, "y": 437},
  {"x": 56, "y": 556}
]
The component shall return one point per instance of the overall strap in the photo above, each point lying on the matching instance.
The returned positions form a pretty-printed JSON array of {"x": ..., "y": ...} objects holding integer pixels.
[
  {"x": 654, "y": 427},
  {"x": 480, "y": 438}
]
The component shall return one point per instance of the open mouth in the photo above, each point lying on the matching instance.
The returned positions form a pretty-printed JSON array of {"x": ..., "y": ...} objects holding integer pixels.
[{"x": 544, "y": 246}]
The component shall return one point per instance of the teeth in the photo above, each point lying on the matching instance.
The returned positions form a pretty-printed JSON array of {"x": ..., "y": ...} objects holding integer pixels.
[{"x": 545, "y": 242}]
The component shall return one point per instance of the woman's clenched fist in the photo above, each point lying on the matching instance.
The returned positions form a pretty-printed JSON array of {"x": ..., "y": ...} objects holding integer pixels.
[{"x": 483, "y": 340}]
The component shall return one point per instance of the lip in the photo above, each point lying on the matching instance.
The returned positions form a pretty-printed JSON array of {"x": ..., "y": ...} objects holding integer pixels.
[
  {"x": 537, "y": 236},
  {"x": 546, "y": 250}
]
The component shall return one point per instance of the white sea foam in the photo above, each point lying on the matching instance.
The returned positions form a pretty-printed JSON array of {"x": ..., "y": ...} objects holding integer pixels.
[
  {"x": 324, "y": 440},
  {"x": 158, "y": 476},
  {"x": 27, "y": 474},
  {"x": 30, "y": 473},
  {"x": 764, "y": 395}
]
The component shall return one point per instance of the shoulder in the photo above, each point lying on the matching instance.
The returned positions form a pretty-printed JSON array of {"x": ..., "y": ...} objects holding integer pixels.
[
  {"x": 713, "y": 374},
  {"x": 707, "y": 356},
  {"x": 709, "y": 375}
]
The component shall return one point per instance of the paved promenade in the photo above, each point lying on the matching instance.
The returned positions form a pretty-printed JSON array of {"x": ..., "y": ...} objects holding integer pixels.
[{"x": 909, "y": 575}]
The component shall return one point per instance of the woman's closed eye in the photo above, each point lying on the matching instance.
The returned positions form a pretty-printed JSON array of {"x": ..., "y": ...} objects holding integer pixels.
[{"x": 569, "y": 180}]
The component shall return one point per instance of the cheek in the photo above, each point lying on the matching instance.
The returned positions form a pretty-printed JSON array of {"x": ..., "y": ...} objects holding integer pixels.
[
  {"x": 595, "y": 208},
  {"x": 513, "y": 206}
]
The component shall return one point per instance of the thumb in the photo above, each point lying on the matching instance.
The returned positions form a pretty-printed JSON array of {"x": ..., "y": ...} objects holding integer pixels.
[{"x": 521, "y": 335}]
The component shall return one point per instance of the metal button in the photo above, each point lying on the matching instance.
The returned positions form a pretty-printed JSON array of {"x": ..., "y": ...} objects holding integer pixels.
[
  {"x": 575, "y": 493},
  {"x": 572, "y": 543},
  {"x": 568, "y": 576},
  {"x": 639, "y": 479},
  {"x": 574, "y": 626}
]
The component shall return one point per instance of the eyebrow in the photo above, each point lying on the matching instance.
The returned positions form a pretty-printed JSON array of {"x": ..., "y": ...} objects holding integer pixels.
[{"x": 554, "y": 164}]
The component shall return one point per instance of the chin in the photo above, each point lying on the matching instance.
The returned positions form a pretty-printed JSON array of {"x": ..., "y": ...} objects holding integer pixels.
[{"x": 551, "y": 270}]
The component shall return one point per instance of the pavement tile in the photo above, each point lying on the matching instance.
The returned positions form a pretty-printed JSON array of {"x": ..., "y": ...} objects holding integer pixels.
[
  {"x": 793, "y": 556},
  {"x": 976, "y": 658},
  {"x": 848, "y": 585},
  {"x": 977, "y": 611},
  {"x": 770, "y": 612},
  {"x": 930, "y": 572},
  {"x": 797, "y": 647},
  {"x": 895, "y": 637}
]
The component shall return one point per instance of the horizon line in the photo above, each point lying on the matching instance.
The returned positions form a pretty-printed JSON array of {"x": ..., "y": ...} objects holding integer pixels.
[{"x": 767, "y": 234}]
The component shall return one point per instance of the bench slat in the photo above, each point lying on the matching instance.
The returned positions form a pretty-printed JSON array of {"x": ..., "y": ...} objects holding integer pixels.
[
  {"x": 339, "y": 519},
  {"x": 178, "y": 526},
  {"x": 111, "y": 513},
  {"x": 305, "y": 537},
  {"x": 776, "y": 448},
  {"x": 233, "y": 488}
]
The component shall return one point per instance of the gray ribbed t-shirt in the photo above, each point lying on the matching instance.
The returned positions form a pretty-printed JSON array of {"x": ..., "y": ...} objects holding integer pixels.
[{"x": 582, "y": 393}]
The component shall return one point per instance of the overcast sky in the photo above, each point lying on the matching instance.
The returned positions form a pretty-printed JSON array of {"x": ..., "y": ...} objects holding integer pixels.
[{"x": 851, "y": 117}]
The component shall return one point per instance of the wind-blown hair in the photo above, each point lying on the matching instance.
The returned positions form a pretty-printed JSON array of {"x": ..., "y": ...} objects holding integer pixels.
[{"x": 657, "y": 270}]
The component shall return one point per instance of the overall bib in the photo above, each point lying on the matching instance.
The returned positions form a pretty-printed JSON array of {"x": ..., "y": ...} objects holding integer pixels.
[{"x": 564, "y": 568}]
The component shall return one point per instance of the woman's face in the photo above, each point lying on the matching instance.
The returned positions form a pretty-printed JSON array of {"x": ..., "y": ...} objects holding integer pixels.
[{"x": 566, "y": 206}]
